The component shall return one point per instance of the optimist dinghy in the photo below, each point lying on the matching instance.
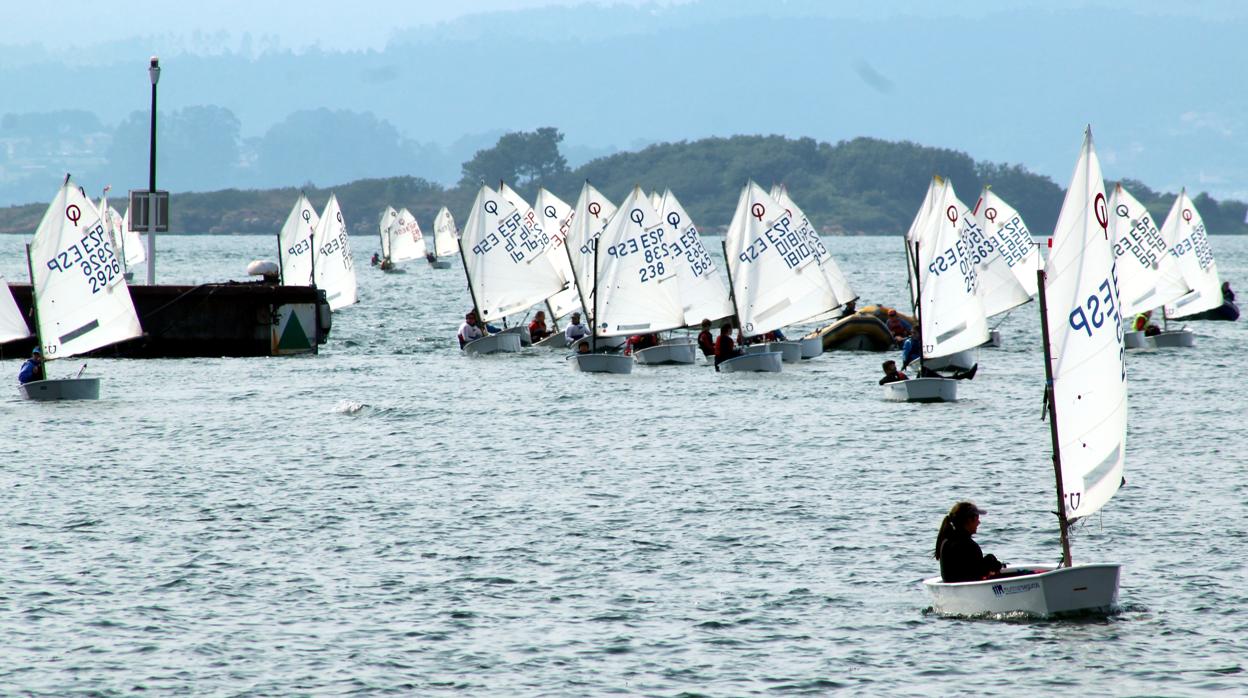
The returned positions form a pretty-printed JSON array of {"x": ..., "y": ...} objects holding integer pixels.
[{"x": 1086, "y": 394}]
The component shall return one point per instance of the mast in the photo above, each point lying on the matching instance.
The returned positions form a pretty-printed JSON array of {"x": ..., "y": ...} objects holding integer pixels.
[
  {"x": 34, "y": 306},
  {"x": 281, "y": 266},
  {"x": 1063, "y": 522},
  {"x": 918, "y": 299},
  {"x": 593, "y": 328},
  {"x": 732, "y": 292}
]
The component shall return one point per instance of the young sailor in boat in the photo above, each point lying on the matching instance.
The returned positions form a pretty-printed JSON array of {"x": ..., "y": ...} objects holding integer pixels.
[
  {"x": 891, "y": 374},
  {"x": 724, "y": 347},
  {"x": 961, "y": 560},
  {"x": 537, "y": 329},
  {"x": 638, "y": 342},
  {"x": 376, "y": 259},
  {"x": 706, "y": 341},
  {"x": 470, "y": 330},
  {"x": 575, "y": 329},
  {"x": 898, "y": 326},
  {"x": 1143, "y": 323},
  {"x": 32, "y": 368}
]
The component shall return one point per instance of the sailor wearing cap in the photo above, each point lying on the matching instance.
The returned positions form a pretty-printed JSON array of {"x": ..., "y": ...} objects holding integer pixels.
[
  {"x": 32, "y": 368},
  {"x": 961, "y": 560}
]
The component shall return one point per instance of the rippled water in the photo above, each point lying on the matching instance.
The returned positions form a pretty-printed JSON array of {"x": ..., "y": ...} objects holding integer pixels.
[{"x": 392, "y": 517}]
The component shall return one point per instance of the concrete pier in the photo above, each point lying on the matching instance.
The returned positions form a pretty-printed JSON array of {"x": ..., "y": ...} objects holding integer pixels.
[{"x": 211, "y": 320}]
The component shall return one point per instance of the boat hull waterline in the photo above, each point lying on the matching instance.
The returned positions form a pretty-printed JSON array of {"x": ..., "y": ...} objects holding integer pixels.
[
  {"x": 667, "y": 354},
  {"x": 922, "y": 390},
  {"x": 758, "y": 362},
  {"x": 501, "y": 343},
  {"x": 62, "y": 389},
  {"x": 1091, "y": 588},
  {"x": 603, "y": 363}
]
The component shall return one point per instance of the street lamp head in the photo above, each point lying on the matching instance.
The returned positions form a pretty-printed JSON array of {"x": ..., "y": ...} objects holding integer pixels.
[{"x": 154, "y": 70}]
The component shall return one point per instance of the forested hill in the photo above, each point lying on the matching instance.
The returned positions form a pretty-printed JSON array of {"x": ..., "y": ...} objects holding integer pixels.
[{"x": 859, "y": 187}]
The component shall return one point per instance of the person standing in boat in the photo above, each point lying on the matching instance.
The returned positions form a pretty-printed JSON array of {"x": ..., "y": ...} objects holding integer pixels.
[
  {"x": 960, "y": 558},
  {"x": 575, "y": 329},
  {"x": 470, "y": 330},
  {"x": 706, "y": 340},
  {"x": 537, "y": 329},
  {"x": 724, "y": 347},
  {"x": 32, "y": 369},
  {"x": 891, "y": 374}
]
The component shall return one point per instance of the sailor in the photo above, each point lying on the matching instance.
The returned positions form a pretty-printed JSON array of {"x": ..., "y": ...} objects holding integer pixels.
[
  {"x": 638, "y": 342},
  {"x": 1143, "y": 323},
  {"x": 891, "y": 374},
  {"x": 575, "y": 329},
  {"x": 537, "y": 329},
  {"x": 724, "y": 347},
  {"x": 960, "y": 558},
  {"x": 470, "y": 330},
  {"x": 898, "y": 326},
  {"x": 706, "y": 341},
  {"x": 32, "y": 368},
  {"x": 376, "y": 259},
  {"x": 912, "y": 348}
]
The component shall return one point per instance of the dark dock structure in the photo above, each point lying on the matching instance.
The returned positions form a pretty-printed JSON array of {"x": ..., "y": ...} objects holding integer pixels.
[{"x": 211, "y": 320}]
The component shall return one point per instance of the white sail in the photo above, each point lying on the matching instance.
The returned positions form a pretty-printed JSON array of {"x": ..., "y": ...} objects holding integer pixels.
[
  {"x": 590, "y": 217},
  {"x": 1086, "y": 343},
  {"x": 555, "y": 217},
  {"x": 656, "y": 200},
  {"x": 295, "y": 240},
  {"x": 1140, "y": 254},
  {"x": 703, "y": 293},
  {"x": 384, "y": 223},
  {"x": 132, "y": 243},
  {"x": 776, "y": 276},
  {"x": 1003, "y": 252},
  {"x": 335, "y": 268},
  {"x": 951, "y": 313},
  {"x": 503, "y": 257},
  {"x": 832, "y": 270},
  {"x": 12, "y": 325},
  {"x": 445, "y": 235},
  {"x": 931, "y": 200},
  {"x": 637, "y": 283},
  {"x": 406, "y": 239},
  {"x": 81, "y": 299},
  {"x": 1189, "y": 244}
]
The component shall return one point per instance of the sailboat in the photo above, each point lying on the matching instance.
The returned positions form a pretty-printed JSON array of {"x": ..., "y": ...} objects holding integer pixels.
[
  {"x": 385, "y": 223},
  {"x": 80, "y": 298},
  {"x": 636, "y": 281},
  {"x": 812, "y": 345},
  {"x": 335, "y": 268},
  {"x": 407, "y": 242},
  {"x": 589, "y": 218},
  {"x": 1148, "y": 276},
  {"x": 702, "y": 293},
  {"x": 445, "y": 238},
  {"x": 504, "y": 264},
  {"x": 127, "y": 244},
  {"x": 296, "y": 253},
  {"x": 1086, "y": 395},
  {"x": 1184, "y": 230},
  {"x": 947, "y": 303},
  {"x": 549, "y": 228},
  {"x": 1004, "y": 255}
]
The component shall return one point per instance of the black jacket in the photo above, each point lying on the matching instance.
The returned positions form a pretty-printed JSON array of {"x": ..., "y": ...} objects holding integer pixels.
[{"x": 961, "y": 560}]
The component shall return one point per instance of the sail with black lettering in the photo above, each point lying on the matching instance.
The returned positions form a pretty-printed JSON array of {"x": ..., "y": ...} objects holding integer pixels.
[
  {"x": 1148, "y": 277},
  {"x": 1086, "y": 343},
  {"x": 335, "y": 268},
  {"x": 555, "y": 218},
  {"x": 503, "y": 258},
  {"x": 638, "y": 289},
  {"x": 950, "y": 309},
  {"x": 776, "y": 276},
  {"x": 295, "y": 243},
  {"x": 445, "y": 234},
  {"x": 407, "y": 241},
  {"x": 82, "y": 302},
  {"x": 1184, "y": 230},
  {"x": 832, "y": 270},
  {"x": 589, "y": 218},
  {"x": 1004, "y": 255},
  {"x": 703, "y": 293}
]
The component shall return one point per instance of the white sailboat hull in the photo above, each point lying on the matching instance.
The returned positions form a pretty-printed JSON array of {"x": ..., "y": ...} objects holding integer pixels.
[
  {"x": 1136, "y": 340},
  {"x": 603, "y": 363},
  {"x": 62, "y": 389},
  {"x": 962, "y": 360},
  {"x": 758, "y": 362},
  {"x": 501, "y": 343},
  {"x": 557, "y": 340},
  {"x": 1173, "y": 339},
  {"x": 668, "y": 354},
  {"x": 922, "y": 390},
  {"x": 1081, "y": 588},
  {"x": 611, "y": 343},
  {"x": 521, "y": 331},
  {"x": 811, "y": 346},
  {"x": 791, "y": 352}
]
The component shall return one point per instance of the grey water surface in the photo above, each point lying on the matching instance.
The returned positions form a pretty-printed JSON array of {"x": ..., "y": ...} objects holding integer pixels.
[{"x": 390, "y": 517}]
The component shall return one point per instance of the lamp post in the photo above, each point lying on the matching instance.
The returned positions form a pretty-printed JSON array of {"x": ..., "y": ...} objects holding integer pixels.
[{"x": 154, "y": 71}]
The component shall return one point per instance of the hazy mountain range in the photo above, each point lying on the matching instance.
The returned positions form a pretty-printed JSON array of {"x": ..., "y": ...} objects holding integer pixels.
[{"x": 1017, "y": 85}]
